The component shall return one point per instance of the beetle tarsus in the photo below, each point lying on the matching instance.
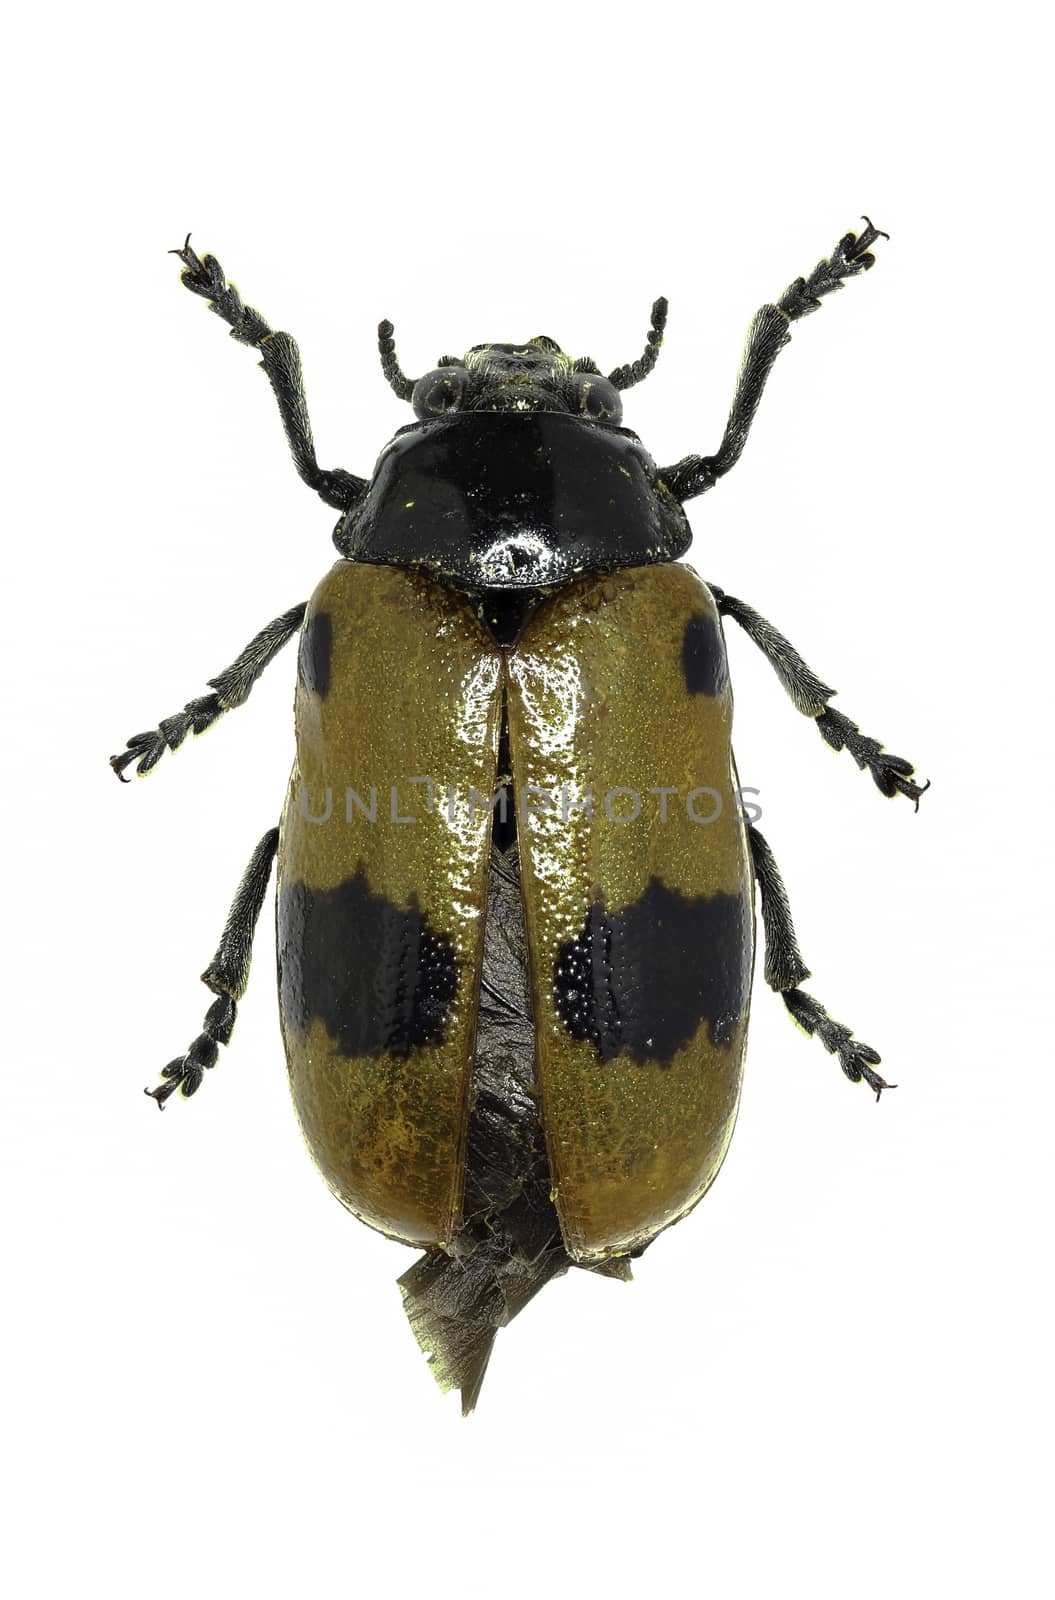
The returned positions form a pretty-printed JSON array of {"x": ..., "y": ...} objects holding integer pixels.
[
  {"x": 187, "y": 255},
  {"x": 162, "y": 1092},
  {"x": 891, "y": 774},
  {"x": 187, "y": 1072},
  {"x": 232, "y": 688},
  {"x": 870, "y": 235},
  {"x": 767, "y": 336},
  {"x": 785, "y": 970},
  {"x": 226, "y": 975},
  {"x": 922, "y": 792},
  {"x": 874, "y": 1081},
  {"x": 205, "y": 276},
  {"x": 856, "y": 1059},
  {"x": 147, "y": 749},
  {"x": 850, "y": 256}
]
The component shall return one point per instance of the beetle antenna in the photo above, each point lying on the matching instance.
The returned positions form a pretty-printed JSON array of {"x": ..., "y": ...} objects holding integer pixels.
[
  {"x": 281, "y": 361},
  {"x": 626, "y": 377},
  {"x": 403, "y": 386}
]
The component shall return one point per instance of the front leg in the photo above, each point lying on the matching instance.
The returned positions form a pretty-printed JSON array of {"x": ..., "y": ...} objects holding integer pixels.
[
  {"x": 766, "y": 337},
  {"x": 891, "y": 774},
  {"x": 232, "y": 688},
  {"x": 281, "y": 361}
]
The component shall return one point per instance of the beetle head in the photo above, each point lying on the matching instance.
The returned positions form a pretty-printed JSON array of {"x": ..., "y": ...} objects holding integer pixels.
[{"x": 536, "y": 376}]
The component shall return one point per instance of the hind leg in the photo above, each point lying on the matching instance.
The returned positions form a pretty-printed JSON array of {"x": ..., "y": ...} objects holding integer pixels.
[
  {"x": 785, "y": 970},
  {"x": 226, "y": 975}
]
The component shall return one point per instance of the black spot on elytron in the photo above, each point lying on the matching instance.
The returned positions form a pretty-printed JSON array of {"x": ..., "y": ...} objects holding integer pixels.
[
  {"x": 641, "y": 981},
  {"x": 378, "y": 976},
  {"x": 703, "y": 656},
  {"x": 316, "y": 644}
]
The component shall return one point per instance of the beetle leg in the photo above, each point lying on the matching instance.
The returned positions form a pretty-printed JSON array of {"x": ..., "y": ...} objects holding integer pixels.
[
  {"x": 232, "y": 686},
  {"x": 281, "y": 361},
  {"x": 891, "y": 774},
  {"x": 785, "y": 970},
  {"x": 226, "y": 975},
  {"x": 766, "y": 337}
]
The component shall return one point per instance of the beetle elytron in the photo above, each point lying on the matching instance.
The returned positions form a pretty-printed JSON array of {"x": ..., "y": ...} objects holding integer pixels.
[{"x": 514, "y": 996}]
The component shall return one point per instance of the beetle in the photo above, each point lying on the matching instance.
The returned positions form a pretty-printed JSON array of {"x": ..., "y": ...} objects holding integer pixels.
[{"x": 516, "y": 882}]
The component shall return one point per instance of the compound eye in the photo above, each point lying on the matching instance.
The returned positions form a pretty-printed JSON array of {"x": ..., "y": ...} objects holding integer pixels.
[
  {"x": 594, "y": 397},
  {"x": 439, "y": 392}
]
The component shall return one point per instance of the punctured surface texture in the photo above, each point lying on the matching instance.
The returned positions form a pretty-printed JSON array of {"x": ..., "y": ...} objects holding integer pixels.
[
  {"x": 641, "y": 932},
  {"x": 380, "y": 922}
]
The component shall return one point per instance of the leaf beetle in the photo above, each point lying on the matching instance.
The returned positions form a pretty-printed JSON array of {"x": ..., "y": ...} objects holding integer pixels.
[{"x": 515, "y": 907}]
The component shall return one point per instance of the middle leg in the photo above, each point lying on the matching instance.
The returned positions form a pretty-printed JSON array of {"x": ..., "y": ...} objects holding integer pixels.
[{"x": 891, "y": 774}]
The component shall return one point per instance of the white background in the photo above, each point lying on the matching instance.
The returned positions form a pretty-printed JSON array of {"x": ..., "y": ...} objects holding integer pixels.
[{"x": 833, "y": 1379}]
